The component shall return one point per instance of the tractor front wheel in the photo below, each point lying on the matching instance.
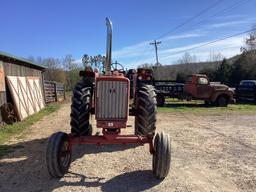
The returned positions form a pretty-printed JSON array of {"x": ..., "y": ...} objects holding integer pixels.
[
  {"x": 58, "y": 155},
  {"x": 162, "y": 155}
]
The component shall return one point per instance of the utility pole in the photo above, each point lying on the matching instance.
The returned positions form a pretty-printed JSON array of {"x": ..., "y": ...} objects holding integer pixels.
[{"x": 155, "y": 43}]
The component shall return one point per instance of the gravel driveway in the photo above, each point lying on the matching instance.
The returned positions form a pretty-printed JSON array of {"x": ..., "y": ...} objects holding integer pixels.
[{"x": 210, "y": 152}]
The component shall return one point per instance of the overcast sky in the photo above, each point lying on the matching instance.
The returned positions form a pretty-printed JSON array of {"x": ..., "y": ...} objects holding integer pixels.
[{"x": 54, "y": 28}]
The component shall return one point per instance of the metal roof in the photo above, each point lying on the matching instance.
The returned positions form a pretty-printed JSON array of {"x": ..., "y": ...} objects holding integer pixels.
[{"x": 25, "y": 61}]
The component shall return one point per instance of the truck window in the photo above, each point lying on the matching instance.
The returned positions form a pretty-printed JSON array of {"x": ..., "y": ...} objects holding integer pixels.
[
  {"x": 250, "y": 84},
  {"x": 243, "y": 83},
  {"x": 202, "y": 81}
]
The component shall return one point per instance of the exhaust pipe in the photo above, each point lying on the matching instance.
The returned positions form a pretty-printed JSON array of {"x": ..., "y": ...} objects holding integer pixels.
[{"x": 109, "y": 46}]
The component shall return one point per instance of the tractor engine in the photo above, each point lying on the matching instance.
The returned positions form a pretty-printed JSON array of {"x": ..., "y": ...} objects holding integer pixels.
[{"x": 111, "y": 101}]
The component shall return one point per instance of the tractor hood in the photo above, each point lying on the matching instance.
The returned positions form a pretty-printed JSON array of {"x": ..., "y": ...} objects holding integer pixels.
[{"x": 219, "y": 87}]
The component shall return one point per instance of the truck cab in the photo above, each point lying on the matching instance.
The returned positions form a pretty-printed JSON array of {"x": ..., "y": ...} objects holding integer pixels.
[
  {"x": 198, "y": 87},
  {"x": 246, "y": 91}
]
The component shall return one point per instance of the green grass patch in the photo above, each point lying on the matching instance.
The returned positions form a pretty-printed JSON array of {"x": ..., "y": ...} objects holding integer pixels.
[
  {"x": 174, "y": 105},
  {"x": 7, "y": 131}
]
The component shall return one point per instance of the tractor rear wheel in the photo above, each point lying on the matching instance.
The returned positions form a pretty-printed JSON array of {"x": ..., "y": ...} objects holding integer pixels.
[
  {"x": 162, "y": 155},
  {"x": 80, "y": 110},
  {"x": 58, "y": 155},
  {"x": 145, "y": 119}
]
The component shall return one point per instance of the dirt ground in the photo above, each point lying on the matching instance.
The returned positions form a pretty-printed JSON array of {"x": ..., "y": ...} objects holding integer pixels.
[{"x": 210, "y": 152}]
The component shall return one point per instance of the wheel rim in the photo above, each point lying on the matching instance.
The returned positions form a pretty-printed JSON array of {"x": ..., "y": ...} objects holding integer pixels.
[
  {"x": 9, "y": 114},
  {"x": 65, "y": 155}
]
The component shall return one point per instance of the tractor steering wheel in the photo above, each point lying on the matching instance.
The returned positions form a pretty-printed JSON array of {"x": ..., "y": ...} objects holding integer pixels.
[{"x": 117, "y": 66}]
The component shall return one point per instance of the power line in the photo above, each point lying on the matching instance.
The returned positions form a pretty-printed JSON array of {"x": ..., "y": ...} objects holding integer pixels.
[
  {"x": 155, "y": 43},
  {"x": 219, "y": 13},
  {"x": 214, "y": 41},
  {"x": 185, "y": 22},
  {"x": 191, "y": 19},
  {"x": 223, "y": 11}
]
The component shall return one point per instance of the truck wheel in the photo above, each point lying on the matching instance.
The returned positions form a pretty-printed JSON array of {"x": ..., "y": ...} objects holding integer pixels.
[
  {"x": 160, "y": 100},
  {"x": 222, "y": 101},
  {"x": 162, "y": 155},
  {"x": 80, "y": 110},
  {"x": 145, "y": 118},
  {"x": 58, "y": 155}
]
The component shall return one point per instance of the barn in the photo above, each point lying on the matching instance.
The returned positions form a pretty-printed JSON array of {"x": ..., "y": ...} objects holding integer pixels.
[{"x": 21, "y": 88}]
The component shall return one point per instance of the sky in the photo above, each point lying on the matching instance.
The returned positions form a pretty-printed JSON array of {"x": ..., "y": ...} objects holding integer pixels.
[{"x": 55, "y": 28}]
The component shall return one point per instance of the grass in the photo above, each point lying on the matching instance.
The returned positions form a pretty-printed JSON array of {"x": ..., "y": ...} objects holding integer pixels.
[
  {"x": 7, "y": 131},
  {"x": 174, "y": 105}
]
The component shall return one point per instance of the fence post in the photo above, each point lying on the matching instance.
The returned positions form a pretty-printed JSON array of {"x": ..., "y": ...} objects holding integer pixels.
[
  {"x": 56, "y": 92},
  {"x": 64, "y": 89}
]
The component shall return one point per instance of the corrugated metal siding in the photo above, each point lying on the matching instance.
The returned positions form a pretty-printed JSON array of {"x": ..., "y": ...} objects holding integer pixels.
[
  {"x": 11, "y": 69},
  {"x": 111, "y": 99}
]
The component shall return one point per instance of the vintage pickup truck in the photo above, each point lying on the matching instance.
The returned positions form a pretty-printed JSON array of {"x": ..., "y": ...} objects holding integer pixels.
[{"x": 197, "y": 87}]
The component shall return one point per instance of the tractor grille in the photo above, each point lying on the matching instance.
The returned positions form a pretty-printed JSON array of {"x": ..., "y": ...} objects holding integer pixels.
[{"x": 111, "y": 99}]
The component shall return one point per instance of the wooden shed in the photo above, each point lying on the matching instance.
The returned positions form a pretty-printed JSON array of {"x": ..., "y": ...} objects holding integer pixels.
[{"x": 21, "y": 88}]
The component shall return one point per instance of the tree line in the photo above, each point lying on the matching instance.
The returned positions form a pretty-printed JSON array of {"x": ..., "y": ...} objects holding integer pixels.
[
  {"x": 219, "y": 69},
  {"x": 66, "y": 70}
]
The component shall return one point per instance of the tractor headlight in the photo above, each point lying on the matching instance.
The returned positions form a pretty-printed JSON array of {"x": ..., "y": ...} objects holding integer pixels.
[{"x": 140, "y": 77}]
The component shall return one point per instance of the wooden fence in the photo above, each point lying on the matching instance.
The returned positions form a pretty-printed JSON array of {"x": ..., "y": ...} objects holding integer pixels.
[{"x": 54, "y": 91}]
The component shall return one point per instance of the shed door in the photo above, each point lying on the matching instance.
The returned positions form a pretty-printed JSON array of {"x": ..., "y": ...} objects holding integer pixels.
[{"x": 27, "y": 95}]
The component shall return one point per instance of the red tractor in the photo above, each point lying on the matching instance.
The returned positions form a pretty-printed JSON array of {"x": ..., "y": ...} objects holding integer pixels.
[{"x": 108, "y": 98}]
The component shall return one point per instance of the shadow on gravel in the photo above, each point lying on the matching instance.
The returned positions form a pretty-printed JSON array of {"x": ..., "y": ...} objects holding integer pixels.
[
  {"x": 23, "y": 168},
  {"x": 80, "y": 150},
  {"x": 132, "y": 181}
]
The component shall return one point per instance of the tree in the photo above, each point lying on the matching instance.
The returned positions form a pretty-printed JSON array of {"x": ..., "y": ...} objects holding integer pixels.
[
  {"x": 69, "y": 64},
  {"x": 54, "y": 71},
  {"x": 210, "y": 72},
  {"x": 250, "y": 41},
  {"x": 181, "y": 77},
  {"x": 95, "y": 61},
  {"x": 187, "y": 58},
  {"x": 222, "y": 73},
  {"x": 215, "y": 56}
]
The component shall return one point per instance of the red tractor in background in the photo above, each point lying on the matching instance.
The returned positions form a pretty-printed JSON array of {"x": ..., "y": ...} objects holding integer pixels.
[{"x": 108, "y": 98}]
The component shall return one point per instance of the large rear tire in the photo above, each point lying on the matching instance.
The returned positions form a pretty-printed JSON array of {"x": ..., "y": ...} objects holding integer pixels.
[
  {"x": 145, "y": 119},
  {"x": 58, "y": 155},
  {"x": 162, "y": 155},
  {"x": 80, "y": 110}
]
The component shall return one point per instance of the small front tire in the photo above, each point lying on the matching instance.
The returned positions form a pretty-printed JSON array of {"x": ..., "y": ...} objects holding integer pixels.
[
  {"x": 58, "y": 155},
  {"x": 162, "y": 155}
]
